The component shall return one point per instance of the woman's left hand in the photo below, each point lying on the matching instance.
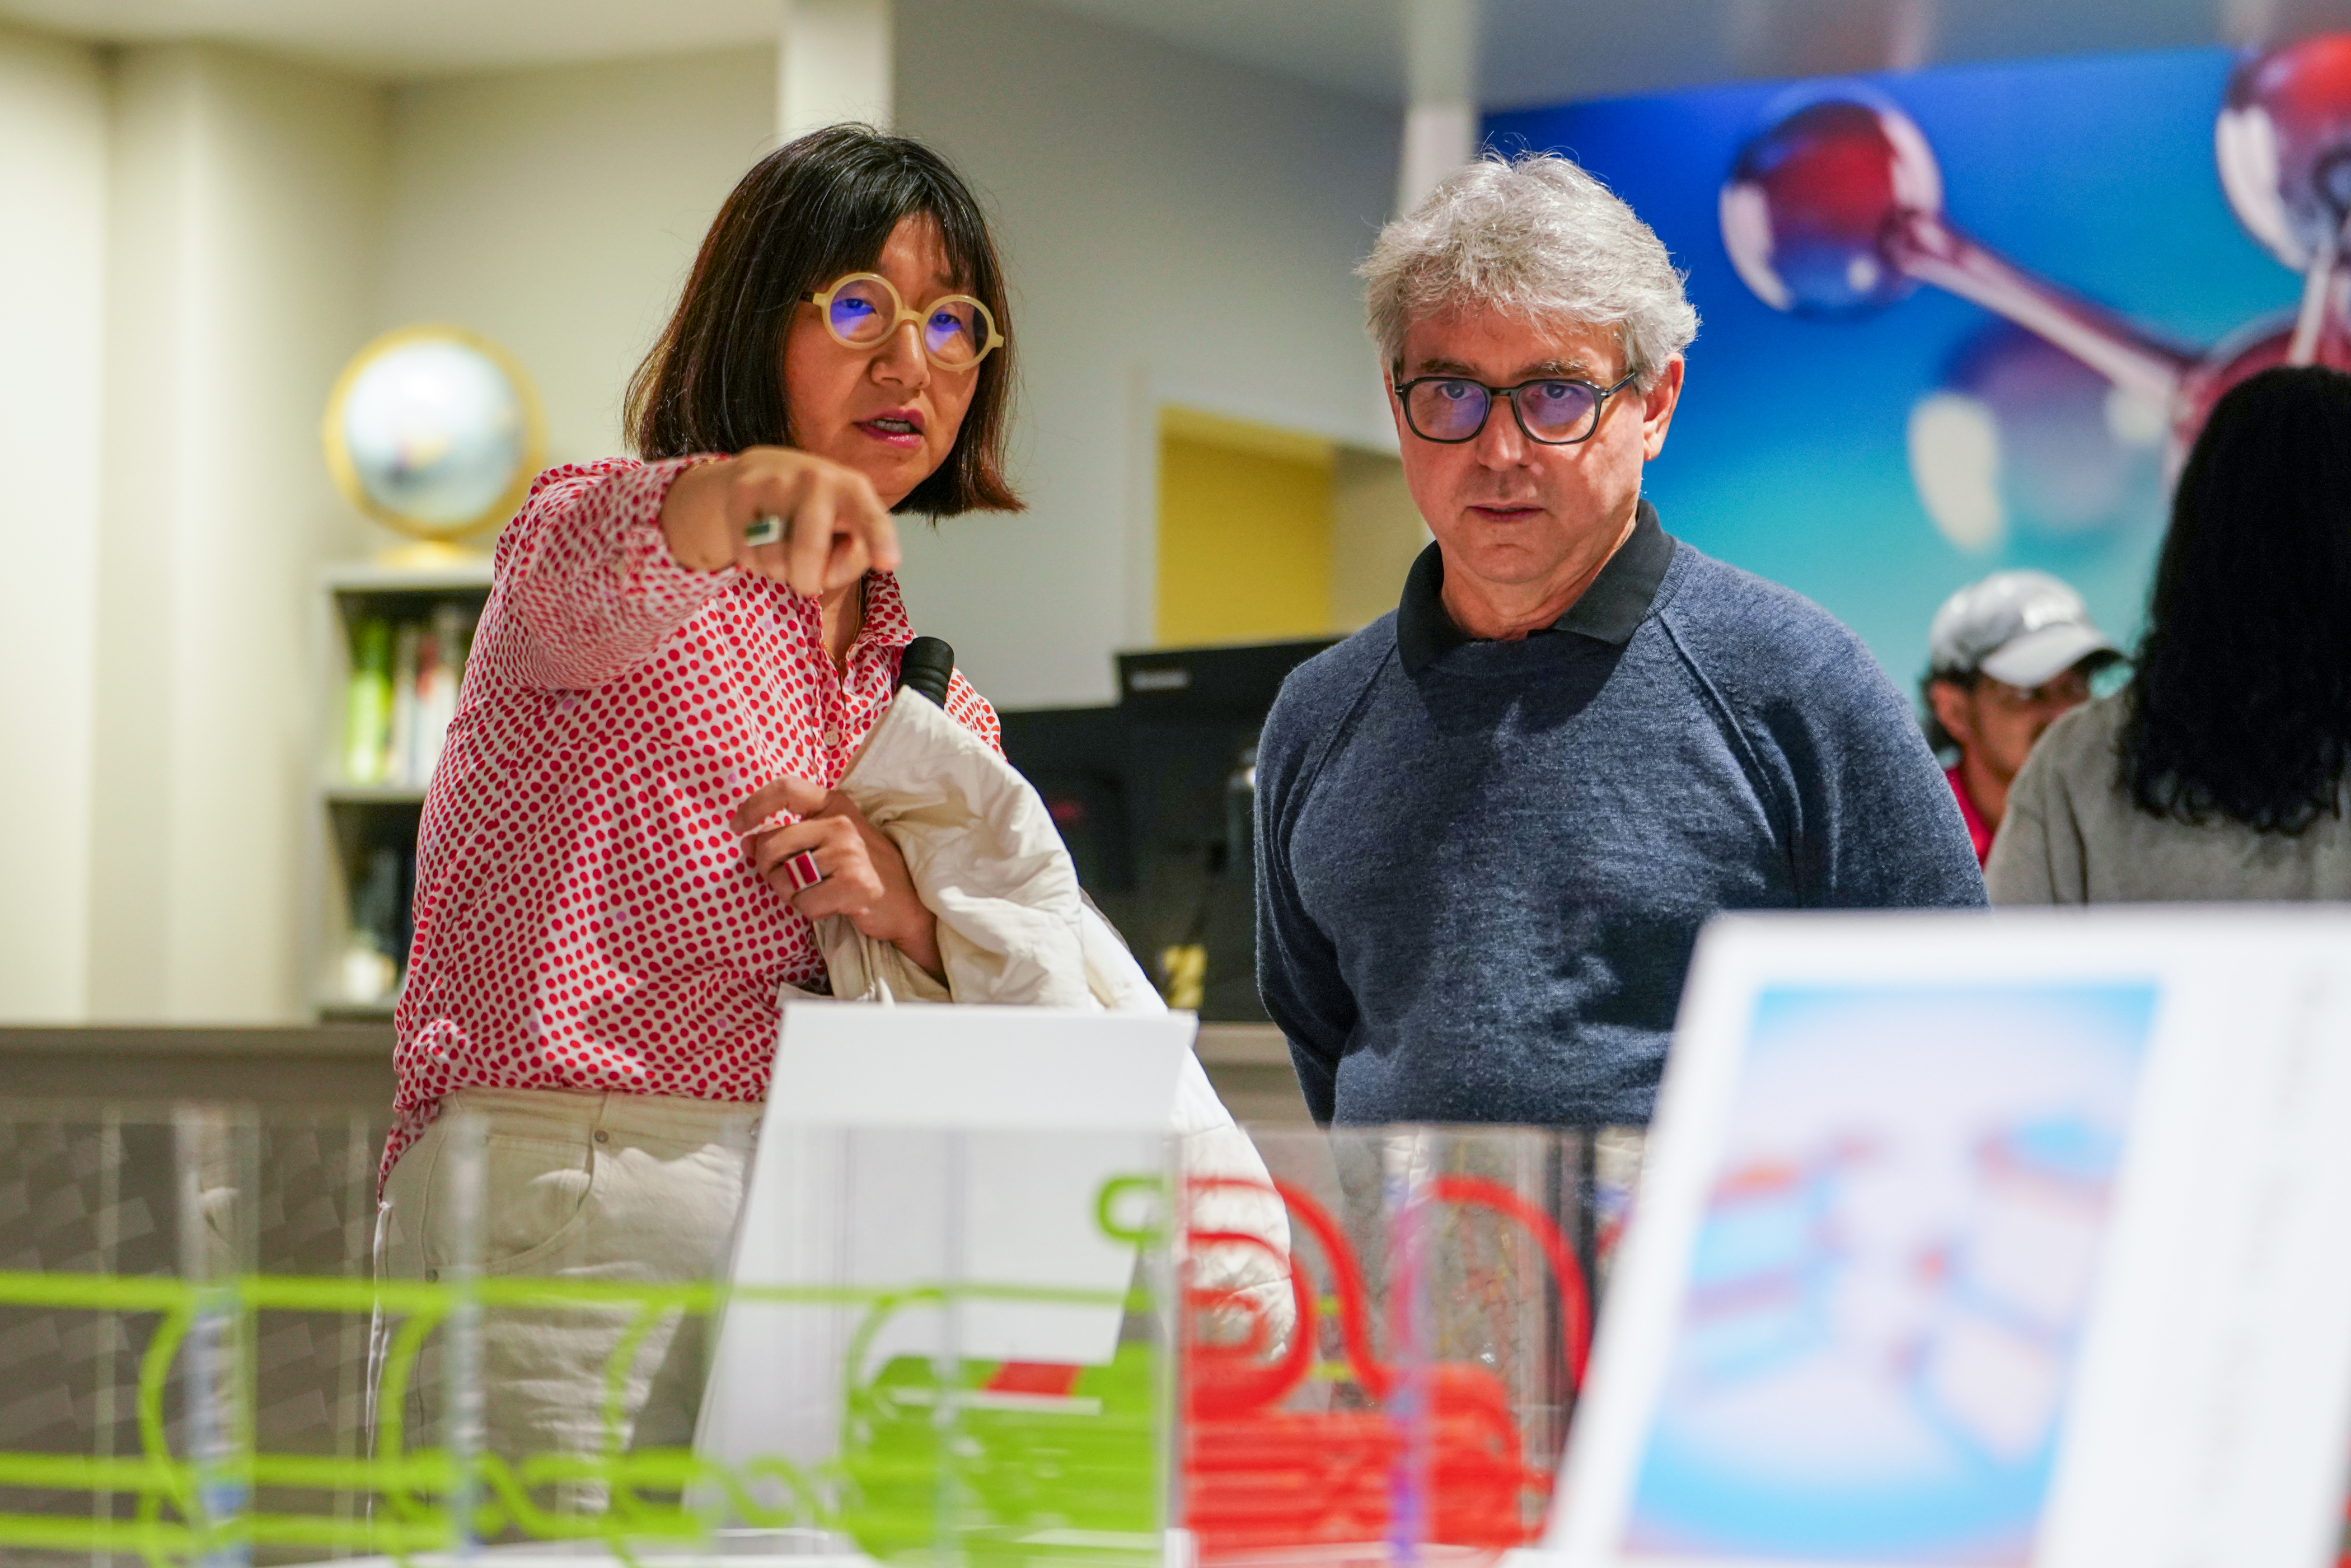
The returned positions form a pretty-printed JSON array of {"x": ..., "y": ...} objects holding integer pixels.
[{"x": 865, "y": 878}]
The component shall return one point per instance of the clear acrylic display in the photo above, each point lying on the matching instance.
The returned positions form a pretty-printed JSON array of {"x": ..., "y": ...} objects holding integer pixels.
[
  {"x": 202, "y": 1366},
  {"x": 943, "y": 1347},
  {"x": 1412, "y": 1402},
  {"x": 185, "y": 1310}
]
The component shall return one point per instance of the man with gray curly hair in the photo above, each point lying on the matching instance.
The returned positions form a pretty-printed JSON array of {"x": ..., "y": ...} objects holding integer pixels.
[{"x": 1491, "y": 824}]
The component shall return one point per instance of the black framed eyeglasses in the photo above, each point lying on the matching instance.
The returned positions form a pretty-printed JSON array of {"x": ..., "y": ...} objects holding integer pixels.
[{"x": 1557, "y": 411}]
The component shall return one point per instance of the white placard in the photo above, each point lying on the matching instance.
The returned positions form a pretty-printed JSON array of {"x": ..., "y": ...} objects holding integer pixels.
[
  {"x": 906, "y": 1147},
  {"x": 844, "y": 1065},
  {"x": 1964, "y": 1240}
]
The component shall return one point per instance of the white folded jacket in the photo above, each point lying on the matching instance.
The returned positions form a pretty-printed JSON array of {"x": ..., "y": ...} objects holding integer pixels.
[{"x": 1015, "y": 929}]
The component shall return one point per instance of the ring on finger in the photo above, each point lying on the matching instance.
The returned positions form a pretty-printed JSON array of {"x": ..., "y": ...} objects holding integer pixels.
[
  {"x": 764, "y": 530},
  {"x": 802, "y": 869}
]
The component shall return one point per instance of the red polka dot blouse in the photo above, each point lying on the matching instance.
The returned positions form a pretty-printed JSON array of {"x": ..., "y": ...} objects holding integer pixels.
[{"x": 584, "y": 918}]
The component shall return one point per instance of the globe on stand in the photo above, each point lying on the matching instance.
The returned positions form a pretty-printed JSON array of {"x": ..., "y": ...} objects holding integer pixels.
[{"x": 435, "y": 433}]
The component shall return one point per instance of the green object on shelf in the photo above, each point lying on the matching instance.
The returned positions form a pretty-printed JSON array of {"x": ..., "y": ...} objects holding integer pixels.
[
  {"x": 367, "y": 706},
  {"x": 1010, "y": 1476}
]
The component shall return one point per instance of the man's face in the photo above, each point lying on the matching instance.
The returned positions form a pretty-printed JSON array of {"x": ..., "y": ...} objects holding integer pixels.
[
  {"x": 1996, "y": 725},
  {"x": 1507, "y": 510}
]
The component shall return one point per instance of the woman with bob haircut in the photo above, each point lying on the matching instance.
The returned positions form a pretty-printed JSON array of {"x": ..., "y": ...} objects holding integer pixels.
[
  {"x": 680, "y": 654},
  {"x": 2218, "y": 772}
]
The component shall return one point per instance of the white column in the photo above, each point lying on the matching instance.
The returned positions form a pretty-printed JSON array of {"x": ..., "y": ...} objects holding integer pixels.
[
  {"x": 833, "y": 64},
  {"x": 1441, "y": 118},
  {"x": 246, "y": 198},
  {"x": 53, "y": 137}
]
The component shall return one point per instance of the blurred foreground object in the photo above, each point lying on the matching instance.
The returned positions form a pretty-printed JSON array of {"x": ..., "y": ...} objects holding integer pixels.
[
  {"x": 956, "y": 1342},
  {"x": 1440, "y": 1279},
  {"x": 1937, "y": 1257},
  {"x": 435, "y": 433}
]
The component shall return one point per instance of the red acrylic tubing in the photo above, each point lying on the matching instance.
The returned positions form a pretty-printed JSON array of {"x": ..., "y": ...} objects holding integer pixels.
[
  {"x": 1265, "y": 1478},
  {"x": 1223, "y": 1393}
]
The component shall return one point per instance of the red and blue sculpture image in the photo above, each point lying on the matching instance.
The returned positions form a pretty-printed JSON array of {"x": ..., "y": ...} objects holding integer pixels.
[
  {"x": 1835, "y": 209},
  {"x": 1968, "y": 317}
]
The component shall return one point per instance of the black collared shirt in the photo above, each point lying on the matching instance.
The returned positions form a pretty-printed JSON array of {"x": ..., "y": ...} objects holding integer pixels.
[{"x": 1606, "y": 612}]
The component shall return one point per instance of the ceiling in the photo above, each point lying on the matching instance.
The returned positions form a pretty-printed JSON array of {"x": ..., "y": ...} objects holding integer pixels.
[
  {"x": 1548, "y": 51},
  {"x": 1532, "y": 51},
  {"x": 402, "y": 38}
]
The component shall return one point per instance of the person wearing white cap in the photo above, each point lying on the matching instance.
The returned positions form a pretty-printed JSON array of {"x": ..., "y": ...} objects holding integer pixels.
[{"x": 2010, "y": 656}]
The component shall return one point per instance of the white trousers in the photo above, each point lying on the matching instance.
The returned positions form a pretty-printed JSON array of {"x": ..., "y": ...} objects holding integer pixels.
[{"x": 593, "y": 1186}]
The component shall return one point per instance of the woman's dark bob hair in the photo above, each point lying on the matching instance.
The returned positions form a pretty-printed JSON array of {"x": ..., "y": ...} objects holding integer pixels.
[
  {"x": 2240, "y": 703},
  {"x": 808, "y": 212}
]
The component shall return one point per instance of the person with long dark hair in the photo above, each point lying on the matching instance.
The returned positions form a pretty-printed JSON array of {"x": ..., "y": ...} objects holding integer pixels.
[
  {"x": 609, "y": 906},
  {"x": 2218, "y": 772}
]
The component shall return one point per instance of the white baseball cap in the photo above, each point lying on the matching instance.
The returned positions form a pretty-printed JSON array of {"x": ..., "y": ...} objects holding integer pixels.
[{"x": 2020, "y": 628}]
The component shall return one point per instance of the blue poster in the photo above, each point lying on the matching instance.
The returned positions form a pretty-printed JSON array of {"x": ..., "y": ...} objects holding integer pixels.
[{"x": 1961, "y": 319}]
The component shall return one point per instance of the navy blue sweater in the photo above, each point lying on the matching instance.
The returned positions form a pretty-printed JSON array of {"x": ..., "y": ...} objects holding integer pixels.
[{"x": 1482, "y": 866}]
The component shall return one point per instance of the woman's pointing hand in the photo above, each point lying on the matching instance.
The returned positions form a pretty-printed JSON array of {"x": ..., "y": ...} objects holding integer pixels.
[{"x": 806, "y": 521}]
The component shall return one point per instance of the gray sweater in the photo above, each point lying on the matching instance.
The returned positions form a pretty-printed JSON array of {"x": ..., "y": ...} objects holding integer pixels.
[
  {"x": 1482, "y": 866},
  {"x": 2072, "y": 835}
]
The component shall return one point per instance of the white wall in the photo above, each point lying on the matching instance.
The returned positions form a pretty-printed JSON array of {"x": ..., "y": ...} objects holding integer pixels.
[
  {"x": 557, "y": 211},
  {"x": 1178, "y": 229},
  {"x": 242, "y": 248},
  {"x": 197, "y": 238},
  {"x": 53, "y": 139}
]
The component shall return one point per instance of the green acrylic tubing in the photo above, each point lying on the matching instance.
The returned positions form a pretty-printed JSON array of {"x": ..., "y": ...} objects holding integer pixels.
[{"x": 1086, "y": 1473}]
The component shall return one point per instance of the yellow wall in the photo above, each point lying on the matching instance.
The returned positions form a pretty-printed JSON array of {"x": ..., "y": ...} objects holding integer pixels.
[
  {"x": 1243, "y": 532},
  {"x": 1376, "y": 534}
]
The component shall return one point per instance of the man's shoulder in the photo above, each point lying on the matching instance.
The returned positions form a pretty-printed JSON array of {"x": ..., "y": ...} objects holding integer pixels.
[
  {"x": 1320, "y": 691},
  {"x": 1339, "y": 671},
  {"x": 1753, "y": 629}
]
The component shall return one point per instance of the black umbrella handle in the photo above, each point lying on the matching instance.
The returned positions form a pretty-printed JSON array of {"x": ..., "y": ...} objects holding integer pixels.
[{"x": 926, "y": 667}]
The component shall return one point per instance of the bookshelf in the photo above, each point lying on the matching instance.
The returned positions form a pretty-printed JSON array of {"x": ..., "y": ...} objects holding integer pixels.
[{"x": 397, "y": 638}]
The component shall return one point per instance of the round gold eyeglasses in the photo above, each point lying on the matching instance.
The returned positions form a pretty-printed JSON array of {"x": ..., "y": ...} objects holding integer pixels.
[{"x": 862, "y": 309}]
